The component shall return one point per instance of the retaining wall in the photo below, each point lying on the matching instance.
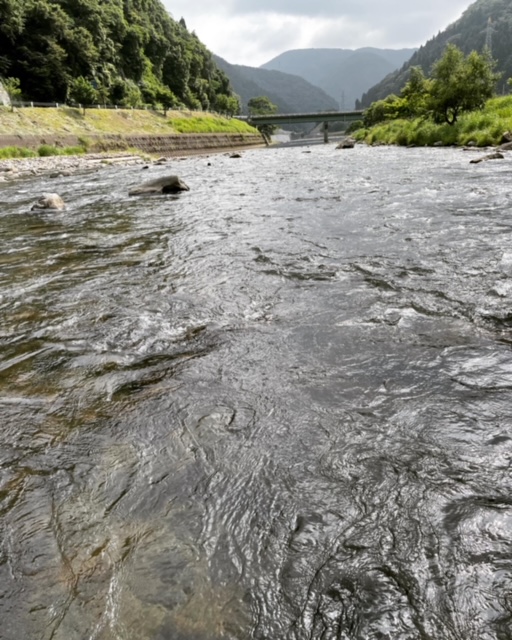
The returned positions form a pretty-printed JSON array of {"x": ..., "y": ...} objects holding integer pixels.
[{"x": 181, "y": 143}]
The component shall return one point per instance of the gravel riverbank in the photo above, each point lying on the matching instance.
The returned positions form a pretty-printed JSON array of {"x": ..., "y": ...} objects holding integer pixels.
[{"x": 56, "y": 166}]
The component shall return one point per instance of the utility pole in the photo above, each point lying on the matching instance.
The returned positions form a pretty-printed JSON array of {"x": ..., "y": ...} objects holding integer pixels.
[{"x": 488, "y": 36}]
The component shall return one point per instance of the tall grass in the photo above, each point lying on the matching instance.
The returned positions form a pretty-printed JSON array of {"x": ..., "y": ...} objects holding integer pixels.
[
  {"x": 45, "y": 150},
  {"x": 16, "y": 152},
  {"x": 481, "y": 128},
  {"x": 49, "y": 150},
  {"x": 209, "y": 124}
]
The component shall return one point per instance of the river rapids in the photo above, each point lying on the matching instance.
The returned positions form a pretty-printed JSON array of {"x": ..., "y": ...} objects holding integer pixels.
[{"x": 275, "y": 407}]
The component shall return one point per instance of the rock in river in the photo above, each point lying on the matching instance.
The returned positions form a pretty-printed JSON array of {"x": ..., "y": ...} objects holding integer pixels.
[
  {"x": 166, "y": 184},
  {"x": 346, "y": 143},
  {"x": 492, "y": 156},
  {"x": 49, "y": 201}
]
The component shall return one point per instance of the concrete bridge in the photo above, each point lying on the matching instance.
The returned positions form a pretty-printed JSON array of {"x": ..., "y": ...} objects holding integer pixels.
[{"x": 291, "y": 118}]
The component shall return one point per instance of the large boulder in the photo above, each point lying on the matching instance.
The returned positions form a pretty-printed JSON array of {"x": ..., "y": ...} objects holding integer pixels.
[
  {"x": 49, "y": 201},
  {"x": 166, "y": 184}
]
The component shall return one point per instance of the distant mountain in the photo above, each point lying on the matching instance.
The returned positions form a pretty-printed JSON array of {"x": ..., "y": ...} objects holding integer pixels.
[
  {"x": 344, "y": 74},
  {"x": 291, "y": 93},
  {"x": 484, "y": 22}
]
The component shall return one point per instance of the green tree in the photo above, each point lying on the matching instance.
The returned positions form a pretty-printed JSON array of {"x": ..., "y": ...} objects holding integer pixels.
[
  {"x": 416, "y": 93},
  {"x": 166, "y": 98},
  {"x": 460, "y": 83},
  {"x": 48, "y": 43},
  {"x": 388, "y": 109},
  {"x": 230, "y": 105},
  {"x": 82, "y": 92},
  {"x": 262, "y": 106},
  {"x": 12, "y": 86}
]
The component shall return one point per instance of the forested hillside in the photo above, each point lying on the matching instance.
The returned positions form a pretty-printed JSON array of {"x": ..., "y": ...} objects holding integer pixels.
[
  {"x": 484, "y": 22},
  {"x": 291, "y": 94},
  {"x": 129, "y": 51}
]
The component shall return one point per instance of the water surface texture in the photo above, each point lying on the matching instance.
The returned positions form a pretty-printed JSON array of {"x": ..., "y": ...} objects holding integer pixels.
[{"x": 275, "y": 407}]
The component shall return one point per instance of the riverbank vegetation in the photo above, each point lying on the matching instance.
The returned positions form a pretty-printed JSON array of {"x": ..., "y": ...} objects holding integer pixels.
[
  {"x": 73, "y": 122},
  {"x": 43, "y": 151},
  {"x": 87, "y": 131},
  {"x": 455, "y": 105},
  {"x": 481, "y": 128}
]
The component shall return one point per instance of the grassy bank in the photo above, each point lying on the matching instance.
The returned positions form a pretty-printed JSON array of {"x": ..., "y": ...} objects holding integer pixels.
[
  {"x": 90, "y": 131},
  {"x": 65, "y": 120},
  {"x": 482, "y": 128},
  {"x": 42, "y": 151}
]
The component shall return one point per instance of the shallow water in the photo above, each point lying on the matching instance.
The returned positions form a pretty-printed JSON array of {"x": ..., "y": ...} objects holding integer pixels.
[{"x": 274, "y": 407}]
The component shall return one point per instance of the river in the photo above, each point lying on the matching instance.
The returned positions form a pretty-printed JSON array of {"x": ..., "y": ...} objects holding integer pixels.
[{"x": 275, "y": 407}]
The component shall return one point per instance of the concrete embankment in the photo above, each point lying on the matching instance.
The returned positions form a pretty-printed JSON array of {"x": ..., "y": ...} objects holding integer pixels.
[{"x": 169, "y": 144}]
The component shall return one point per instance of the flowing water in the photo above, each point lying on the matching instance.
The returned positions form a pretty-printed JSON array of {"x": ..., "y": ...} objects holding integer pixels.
[{"x": 277, "y": 406}]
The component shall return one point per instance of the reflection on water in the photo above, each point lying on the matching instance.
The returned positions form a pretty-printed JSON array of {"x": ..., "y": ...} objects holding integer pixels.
[{"x": 276, "y": 406}]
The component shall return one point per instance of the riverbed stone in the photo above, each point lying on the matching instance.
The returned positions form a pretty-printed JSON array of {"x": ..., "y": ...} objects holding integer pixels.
[
  {"x": 166, "y": 184},
  {"x": 49, "y": 201},
  {"x": 491, "y": 156},
  {"x": 347, "y": 143}
]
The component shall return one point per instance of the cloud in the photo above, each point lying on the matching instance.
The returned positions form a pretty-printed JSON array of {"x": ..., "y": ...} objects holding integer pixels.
[{"x": 252, "y": 32}]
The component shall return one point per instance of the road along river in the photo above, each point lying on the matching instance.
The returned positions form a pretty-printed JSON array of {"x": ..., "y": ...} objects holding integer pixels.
[{"x": 277, "y": 406}]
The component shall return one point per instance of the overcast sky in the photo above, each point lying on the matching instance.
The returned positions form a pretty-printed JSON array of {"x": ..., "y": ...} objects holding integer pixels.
[{"x": 252, "y": 32}]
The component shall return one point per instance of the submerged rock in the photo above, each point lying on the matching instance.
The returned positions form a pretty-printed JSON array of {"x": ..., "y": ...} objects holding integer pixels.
[
  {"x": 49, "y": 201},
  {"x": 166, "y": 184},
  {"x": 491, "y": 156}
]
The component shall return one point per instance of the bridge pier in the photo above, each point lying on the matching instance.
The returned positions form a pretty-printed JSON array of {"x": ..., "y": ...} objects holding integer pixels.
[{"x": 326, "y": 132}]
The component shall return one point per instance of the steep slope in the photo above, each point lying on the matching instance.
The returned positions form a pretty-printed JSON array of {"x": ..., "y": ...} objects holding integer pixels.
[
  {"x": 484, "y": 22},
  {"x": 344, "y": 74},
  {"x": 130, "y": 51},
  {"x": 292, "y": 94}
]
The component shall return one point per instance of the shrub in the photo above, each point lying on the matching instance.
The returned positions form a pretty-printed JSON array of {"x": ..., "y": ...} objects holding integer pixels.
[
  {"x": 17, "y": 152},
  {"x": 47, "y": 150}
]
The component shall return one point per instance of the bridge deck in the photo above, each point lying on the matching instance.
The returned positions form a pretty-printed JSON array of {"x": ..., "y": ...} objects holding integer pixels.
[{"x": 322, "y": 116}]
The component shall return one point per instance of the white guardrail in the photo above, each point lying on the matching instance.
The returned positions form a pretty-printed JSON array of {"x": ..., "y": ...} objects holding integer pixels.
[{"x": 73, "y": 105}]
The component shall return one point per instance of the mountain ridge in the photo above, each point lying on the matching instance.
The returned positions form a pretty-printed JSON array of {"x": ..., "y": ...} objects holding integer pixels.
[
  {"x": 344, "y": 74},
  {"x": 485, "y": 22},
  {"x": 291, "y": 93}
]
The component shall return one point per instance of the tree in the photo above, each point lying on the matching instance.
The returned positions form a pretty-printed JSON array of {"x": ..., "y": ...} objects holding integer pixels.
[
  {"x": 48, "y": 43},
  {"x": 460, "y": 83},
  {"x": 262, "y": 106},
  {"x": 12, "y": 86},
  {"x": 166, "y": 98},
  {"x": 415, "y": 93},
  {"x": 229, "y": 105},
  {"x": 388, "y": 109},
  {"x": 82, "y": 92}
]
